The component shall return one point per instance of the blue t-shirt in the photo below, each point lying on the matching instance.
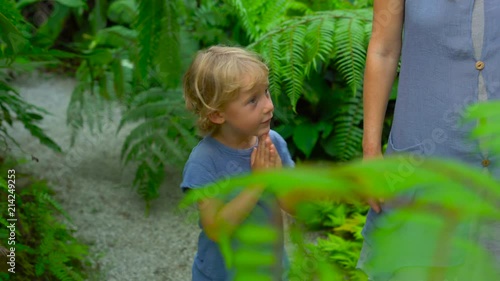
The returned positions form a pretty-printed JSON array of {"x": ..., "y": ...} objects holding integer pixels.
[{"x": 211, "y": 161}]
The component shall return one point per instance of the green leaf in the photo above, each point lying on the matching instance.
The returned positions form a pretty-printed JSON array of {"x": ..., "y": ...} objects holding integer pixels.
[
  {"x": 98, "y": 16},
  {"x": 115, "y": 37},
  {"x": 350, "y": 57},
  {"x": 345, "y": 141},
  {"x": 6, "y": 114},
  {"x": 149, "y": 27},
  {"x": 256, "y": 235},
  {"x": 168, "y": 59},
  {"x": 48, "y": 33},
  {"x": 73, "y": 3},
  {"x": 103, "y": 87},
  {"x": 118, "y": 79},
  {"x": 100, "y": 56},
  {"x": 23, "y": 3},
  {"x": 123, "y": 11},
  {"x": 305, "y": 137},
  {"x": 258, "y": 17},
  {"x": 10, "y": 21},
  {"x": 5, "y": 87}
]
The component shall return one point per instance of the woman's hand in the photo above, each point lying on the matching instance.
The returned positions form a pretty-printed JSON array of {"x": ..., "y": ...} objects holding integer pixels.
[{"x": 368, "y": 154}]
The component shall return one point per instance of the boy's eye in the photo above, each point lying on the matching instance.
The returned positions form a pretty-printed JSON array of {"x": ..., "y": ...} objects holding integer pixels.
[{"x": 253, "y": 100}]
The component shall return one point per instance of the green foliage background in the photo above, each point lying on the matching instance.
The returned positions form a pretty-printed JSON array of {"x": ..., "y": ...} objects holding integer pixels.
[
  {"x": 123, "y": 52},
  {"x": 133, "y": 53}
]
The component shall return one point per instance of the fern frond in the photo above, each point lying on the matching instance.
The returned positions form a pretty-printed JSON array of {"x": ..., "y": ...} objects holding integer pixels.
[
  {"x": 270, "y": 52},
  {"x": 300, "y": 44},
  {"x": 85, "y": 106},
  {"x": 163, "y": 136},
  {"x": 169, "y": 58},
  {"x": 28, "y": 114},
  {"x": 13, "y": 29},
  {"x": 161, "y": 102},
  {"x": 147, "y": 178},
  {"x": 142, "y": 138},
  {"x": 319, "y": 42},
  {"x": 293, "y": 51},
  {"x": 122, "y": 11},
  {"x": 158, "y": 29},
  {"x": 47, "y": 34},
  {"x": 350, "y": 41},
  {"x": 116, "y": 36},
  {"x": 259, "y": 16},
  {"x": 47, "y": 198},
  {"x": 345, "y": 142},
  {"x": 148, "y": 25}
]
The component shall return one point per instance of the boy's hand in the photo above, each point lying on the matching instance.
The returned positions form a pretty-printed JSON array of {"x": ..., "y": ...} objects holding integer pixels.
[
  {"x": 265, "y": 155},
  {"x": 276, "y": 157}
]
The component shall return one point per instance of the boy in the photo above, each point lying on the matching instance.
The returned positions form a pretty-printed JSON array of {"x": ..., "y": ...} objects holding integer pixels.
[{"x": 227, "y": 88}]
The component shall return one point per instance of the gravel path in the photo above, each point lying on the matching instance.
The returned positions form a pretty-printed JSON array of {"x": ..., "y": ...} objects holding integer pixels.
[{"x": 97, "y": 193}]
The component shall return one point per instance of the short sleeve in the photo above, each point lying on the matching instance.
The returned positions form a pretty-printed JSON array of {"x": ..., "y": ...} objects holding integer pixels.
[
  {"x": 196, "y": 175},
  {"x": 282, "y": 148}
]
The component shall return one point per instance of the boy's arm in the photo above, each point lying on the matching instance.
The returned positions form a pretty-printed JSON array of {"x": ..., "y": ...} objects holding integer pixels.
[{"x": 218, "y": 218}]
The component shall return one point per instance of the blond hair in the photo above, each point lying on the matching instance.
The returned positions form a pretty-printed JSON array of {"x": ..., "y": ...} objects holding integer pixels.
[{"x": 216, "y": 76}]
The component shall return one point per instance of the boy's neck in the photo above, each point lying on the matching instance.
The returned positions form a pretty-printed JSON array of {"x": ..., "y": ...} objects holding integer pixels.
[{"x": 233, "y": 141}]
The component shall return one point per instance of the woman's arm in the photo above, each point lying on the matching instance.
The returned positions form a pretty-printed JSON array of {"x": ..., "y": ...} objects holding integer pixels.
[{"x": 382, "y": 60}]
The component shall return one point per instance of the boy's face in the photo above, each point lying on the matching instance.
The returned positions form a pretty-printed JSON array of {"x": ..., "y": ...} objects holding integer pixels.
[{"x": 250, "y": 114}]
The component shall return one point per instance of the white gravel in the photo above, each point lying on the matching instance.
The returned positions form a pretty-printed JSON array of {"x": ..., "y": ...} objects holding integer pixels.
[{"x": 96, "y": 191}]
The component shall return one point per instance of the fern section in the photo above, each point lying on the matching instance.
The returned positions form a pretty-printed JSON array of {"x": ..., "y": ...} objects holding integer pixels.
[
  {"x": 44, "y": 247},
  {"x": 305, "y": 42},
  {"x": 317, "y": 61}
]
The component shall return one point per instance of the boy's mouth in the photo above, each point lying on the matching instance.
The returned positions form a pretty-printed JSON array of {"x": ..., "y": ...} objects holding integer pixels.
[{"x": 268, "y": 120}]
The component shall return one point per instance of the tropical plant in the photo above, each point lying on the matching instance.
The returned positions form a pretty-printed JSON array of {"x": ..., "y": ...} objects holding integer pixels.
[
  {"x": 316, "y": 58},
  {"x": 123, "y": 54},
  {"x": 15, "y": 46},
  {"x": 42, "y": 247}
]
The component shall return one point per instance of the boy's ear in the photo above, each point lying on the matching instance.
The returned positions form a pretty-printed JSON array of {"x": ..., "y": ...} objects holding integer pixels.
[{"x": 216, "y": 117}]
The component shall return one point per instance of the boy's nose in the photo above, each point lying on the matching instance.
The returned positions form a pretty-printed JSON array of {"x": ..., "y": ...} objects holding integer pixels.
[{"x": 269, "y": 105}]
